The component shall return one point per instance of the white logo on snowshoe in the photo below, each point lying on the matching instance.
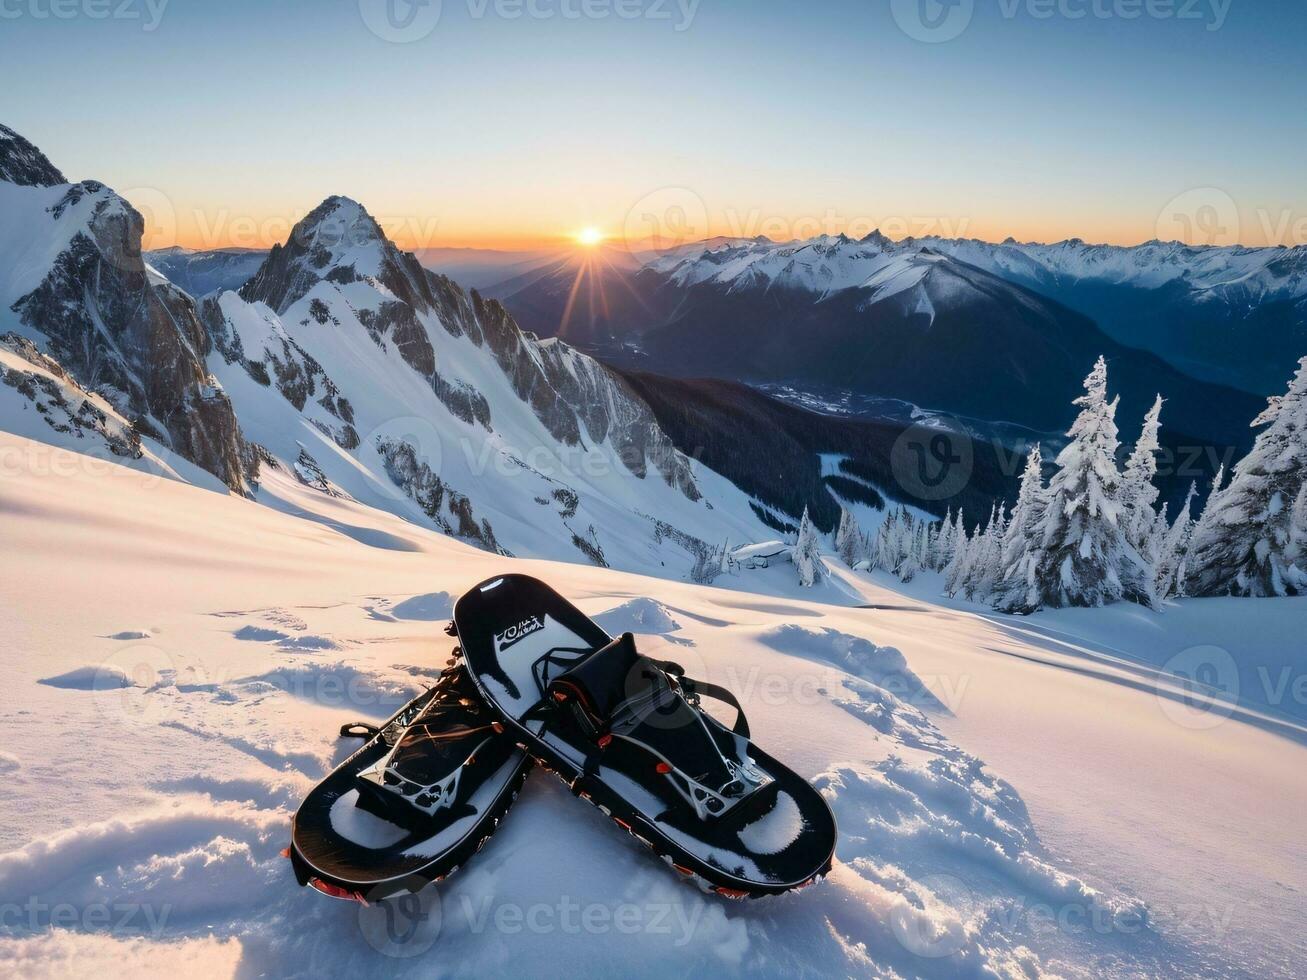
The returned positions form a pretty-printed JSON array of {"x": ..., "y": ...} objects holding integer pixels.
[{"x": 521, "y": 631}]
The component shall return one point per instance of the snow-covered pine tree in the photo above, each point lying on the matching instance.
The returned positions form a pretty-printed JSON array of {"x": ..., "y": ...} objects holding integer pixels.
[
  {"x": 807, "y": 553},
  {"x": 1138, "y": 495},
  {"x": 916, "y": 551},
  {"x": 942, "y": 549},
  {"x": 1084, "y": 558},
  {"x": 1021, "y": 542},
  {"x": 959, "y": 565},
  {"x": 930, "y": 554},
  {"x": 1241, "y": 546},
  {"x": 910, "y": 565},
  {"x": 986, "y": 562},
  {"x": 1297, "y": 550},
  {"x": 849, "y": 539},
  {"x": 886, "y": 551},
  {"x": 1174, "y": 548}
]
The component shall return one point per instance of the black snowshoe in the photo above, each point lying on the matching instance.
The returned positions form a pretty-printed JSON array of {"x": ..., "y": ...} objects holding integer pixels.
[
  {"x": 420, "y": 798},
  {"x": 626, "y": 733}
]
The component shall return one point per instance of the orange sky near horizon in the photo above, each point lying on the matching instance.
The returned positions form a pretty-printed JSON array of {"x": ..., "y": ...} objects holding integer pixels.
[{"x": 413, "y": 233}]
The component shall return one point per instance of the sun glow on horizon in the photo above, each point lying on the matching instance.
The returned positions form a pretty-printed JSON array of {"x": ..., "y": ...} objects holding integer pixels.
[{"x": 589, "y": 237}]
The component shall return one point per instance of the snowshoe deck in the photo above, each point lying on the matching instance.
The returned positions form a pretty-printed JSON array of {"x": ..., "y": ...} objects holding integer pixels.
[
  {"x": 416, "y": 801},
  {"x": 626, "y": 733}
]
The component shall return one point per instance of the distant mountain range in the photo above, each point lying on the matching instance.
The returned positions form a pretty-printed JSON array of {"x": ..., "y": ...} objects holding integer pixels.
[
  {"x": 898, "y": 320},
  {"x": 1229, "y": 315},
  {"x": 997, "y": 333},
  {"x": 200, "y": 273},
  {"x": 1232, "y": 316}
]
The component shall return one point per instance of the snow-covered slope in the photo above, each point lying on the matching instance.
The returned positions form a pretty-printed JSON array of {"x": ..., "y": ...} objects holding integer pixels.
[
  {"x": 1013, "y": 801},
  {"x": 1232, "y": 314},
  {"x": 1230, "y": 274},
  {"x": 72, "y": 280},
  {"x": 370, "y": 377}
]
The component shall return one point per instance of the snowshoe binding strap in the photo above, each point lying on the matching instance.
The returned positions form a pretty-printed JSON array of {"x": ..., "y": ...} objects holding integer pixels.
[
  {"x": 422, "y": 773},
  {"x": 616, "y": 692}
]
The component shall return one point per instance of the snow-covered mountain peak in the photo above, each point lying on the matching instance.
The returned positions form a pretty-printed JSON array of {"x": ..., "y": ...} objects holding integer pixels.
[
  {"x": 23, "y": 164},
  {"x": 367, "y": 376},
  {"x": 828, "y": 263},
  {"x": 73, "y": 282},
  {"x": 340, "y": 230},
  {"x": 338, "y": 241}
]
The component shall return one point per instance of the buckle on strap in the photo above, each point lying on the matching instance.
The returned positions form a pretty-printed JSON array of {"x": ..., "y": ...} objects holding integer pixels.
[{"x": 618, "y": 692}]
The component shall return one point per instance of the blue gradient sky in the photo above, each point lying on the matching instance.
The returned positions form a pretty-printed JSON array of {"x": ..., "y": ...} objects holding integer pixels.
[{"x": 232, "y": 119}]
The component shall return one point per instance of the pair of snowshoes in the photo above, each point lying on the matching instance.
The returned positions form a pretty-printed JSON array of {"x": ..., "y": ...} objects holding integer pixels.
[{"x": 536, "y": 681}]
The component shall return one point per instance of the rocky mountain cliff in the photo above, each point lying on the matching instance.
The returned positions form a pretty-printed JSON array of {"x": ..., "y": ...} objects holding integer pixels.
[
  {"x": 73, "y": 281},
  {"x": 368, "y": 376}
]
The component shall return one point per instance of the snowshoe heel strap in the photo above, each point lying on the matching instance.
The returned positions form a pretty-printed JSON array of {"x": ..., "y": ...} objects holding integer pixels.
[
  {"x": 618, "y": 693},
  {"x": 606, "y": 679},
  {"x": 694, "y": 689}
]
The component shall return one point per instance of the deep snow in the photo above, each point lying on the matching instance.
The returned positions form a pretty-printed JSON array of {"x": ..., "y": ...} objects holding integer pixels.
[{"x": 1115, "y": 827}]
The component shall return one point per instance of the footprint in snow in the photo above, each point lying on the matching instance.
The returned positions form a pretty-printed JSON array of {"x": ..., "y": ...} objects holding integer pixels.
[
  {"x": 91, "y": 678},
  {"x": 429, "y": 608},
  {"x": 284, "y": 641},
  {"x": 130, "y": 635},
  {"x": 260, "y": 634}
]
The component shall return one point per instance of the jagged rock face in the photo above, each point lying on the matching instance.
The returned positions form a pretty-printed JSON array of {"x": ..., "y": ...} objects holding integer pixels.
[
  {"x": 65, "y": 406},
  {"x": 138, "y": 342},
  {"x": 436, "y": 392},
  {"x": 567, "y": 390},
  {"x": 450, "y": 510},
  {"x": 575, "y": 397},
  {"x": 283, "y": 363},
  {"x": 23, "y": 164}
]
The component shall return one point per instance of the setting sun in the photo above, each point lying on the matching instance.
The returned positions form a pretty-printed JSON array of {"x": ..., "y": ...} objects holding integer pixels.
[{"x": 589, "y": 237}]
